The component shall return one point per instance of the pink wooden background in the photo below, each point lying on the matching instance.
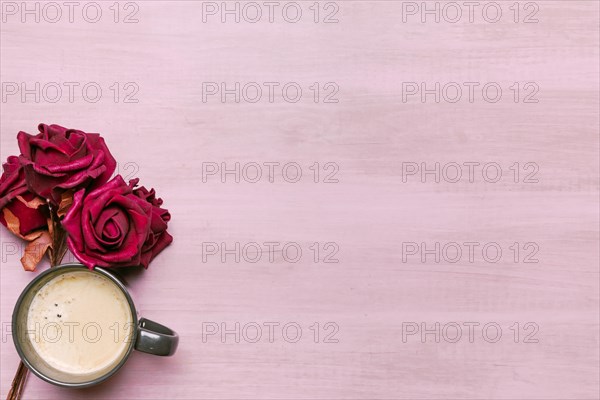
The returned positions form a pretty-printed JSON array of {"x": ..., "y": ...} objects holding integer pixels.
[{"x": 369, "y": 133}]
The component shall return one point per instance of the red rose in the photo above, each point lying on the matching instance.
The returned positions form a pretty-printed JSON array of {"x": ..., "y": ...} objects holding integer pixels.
[
  {"x": 112, "y": 226},
  {"x": 23, "y": 209},
  {"x": 24, "y": 213},
  {"x": 59, "y": 159},
  {"x": 158, "y": 238}
]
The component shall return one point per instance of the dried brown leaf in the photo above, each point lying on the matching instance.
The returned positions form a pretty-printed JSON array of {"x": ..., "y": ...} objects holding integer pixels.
[
  {"x": 12, "y": 222},
  {"x": 35, "y": 203},
  {"x": 39, "y": 241},
  {"x": 35, "y": 250},
  {"x": 66, "y": 201}
]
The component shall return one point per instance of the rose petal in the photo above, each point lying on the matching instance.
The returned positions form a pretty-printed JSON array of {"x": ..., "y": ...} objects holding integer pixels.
[
  {"x": 160, "y": 244},
  {"x": 23, "y": 141},
  {"x": 71, "y": 222}
]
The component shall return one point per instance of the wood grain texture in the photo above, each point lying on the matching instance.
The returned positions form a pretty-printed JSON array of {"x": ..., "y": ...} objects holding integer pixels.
[{"x": 167, "y": 136}]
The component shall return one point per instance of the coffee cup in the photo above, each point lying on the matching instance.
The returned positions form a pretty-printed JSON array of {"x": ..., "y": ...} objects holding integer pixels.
[{"x": 76, "y": 327}]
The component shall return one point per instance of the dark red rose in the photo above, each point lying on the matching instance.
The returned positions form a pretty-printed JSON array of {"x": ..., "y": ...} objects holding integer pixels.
[
  {"x": 17, "y": 203},
  {"x": 158, "y": 237},
  {"x": 59, "y": 159},
  {"x": 112, "y": 226}
]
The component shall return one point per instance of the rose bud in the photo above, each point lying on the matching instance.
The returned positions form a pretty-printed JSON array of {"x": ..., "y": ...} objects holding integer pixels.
[{"x": 58, "y": 160}]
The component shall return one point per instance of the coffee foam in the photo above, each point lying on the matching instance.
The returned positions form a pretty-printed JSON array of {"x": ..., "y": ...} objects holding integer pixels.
[{"x": 80, "y": 323}]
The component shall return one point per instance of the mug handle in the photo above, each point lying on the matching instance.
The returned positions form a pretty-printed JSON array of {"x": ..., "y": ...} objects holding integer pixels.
[{"x": 154, "y": 338}]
